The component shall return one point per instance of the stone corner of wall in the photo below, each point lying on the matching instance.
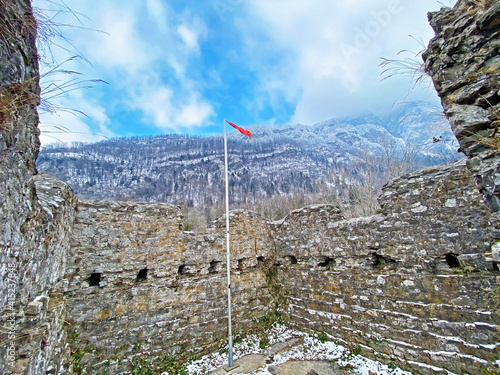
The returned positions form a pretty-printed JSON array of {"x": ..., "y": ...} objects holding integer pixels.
[{"x": 464, "y": 63}]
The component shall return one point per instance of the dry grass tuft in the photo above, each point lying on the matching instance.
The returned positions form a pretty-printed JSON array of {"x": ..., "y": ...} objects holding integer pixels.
[
  {"x": 480, "y": 3},
  {"x": 474, "y": 6},
  {"x": 14, "y": 97},
  {"x": 20, "y": 24},
  {"x": 491, "y": 140},
  {"x": 17, "y": 25},
  {"x": 410, "y": 64}
]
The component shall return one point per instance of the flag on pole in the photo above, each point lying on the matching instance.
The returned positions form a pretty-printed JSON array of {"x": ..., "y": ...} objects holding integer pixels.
[
  {"x": 231, "y": 364},
  {"x": 241, "y": 130}
]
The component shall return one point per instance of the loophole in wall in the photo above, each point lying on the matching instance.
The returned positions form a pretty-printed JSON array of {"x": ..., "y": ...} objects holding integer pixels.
[
  {"x": 452, "y": 260},
  {"x": 214, "y": 266},
  {"x": 142, "y": 275},
  {"x": 327, "y": 262},
  {"x": 94, "y": 279}
]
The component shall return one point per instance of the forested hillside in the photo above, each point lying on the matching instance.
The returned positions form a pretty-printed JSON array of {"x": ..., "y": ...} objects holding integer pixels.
[{"x": 348, "y": 159}]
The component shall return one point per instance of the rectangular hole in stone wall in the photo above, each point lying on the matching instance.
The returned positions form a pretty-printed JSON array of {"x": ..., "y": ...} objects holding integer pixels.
[
  {"x": 327, "y": 262},
  {"x": 94, "y": 279},
  {"x": 291, "y": 259},
  {"x": 380, "y": 261},
  {"x": 182, "y": 269},
  {"x": 495, "y": 267},
  {"x": 142, "y": 275},
  {"x": 214, "y": 266},
  {"x": 452, "y": 260},
  {"x": 240, "y": 264},
  {"x": 260, "y": 259}
]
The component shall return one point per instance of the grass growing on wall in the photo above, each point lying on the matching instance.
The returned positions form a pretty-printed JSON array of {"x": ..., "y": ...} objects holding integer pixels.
[
  {"x": 17, "y": 26},
  {"x": 12, "y": 98},
  {"x": 491, "y": 140},
  {"x": 155, "y": 366},
  {"x": 475, "y": 5}
]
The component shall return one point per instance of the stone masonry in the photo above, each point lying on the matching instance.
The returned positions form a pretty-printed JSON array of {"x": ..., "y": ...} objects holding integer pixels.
[
  {"x": 35, "y": 229},
  {"x": 415, "y": 285},
  {"x": 88, "y": 285},
  {"x": 136, "y": 282},
  {"x": 464, "y": 62}
]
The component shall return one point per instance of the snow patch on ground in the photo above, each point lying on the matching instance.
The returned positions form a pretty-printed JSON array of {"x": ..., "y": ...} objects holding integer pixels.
[{"x": 308, "y": 349}]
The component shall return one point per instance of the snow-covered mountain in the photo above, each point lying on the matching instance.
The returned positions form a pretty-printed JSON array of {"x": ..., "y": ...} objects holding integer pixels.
[{"x": 278, "y": 160}]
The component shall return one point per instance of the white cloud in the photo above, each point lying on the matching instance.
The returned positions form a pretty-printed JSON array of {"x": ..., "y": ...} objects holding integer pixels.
[
  {"x": 194, "y": 114},
  {"x": 98, "y": 118},
  {"x": 123, "y": 48},
  {"x": 190, "y": 31},
  {"x": 315, "y": 58},
  {"x": 333, "y": 50},
  {"x": 85, "y": 121},
  {"x": 178, "y": 64},
  {"x": 158, "y": 13},
  {"x": 188, "y": 36},
  {"x": 65, "y": 128},
  {"x": 146, "y": 54},
  {"x": 157, "y": 107},
  {"x": 70, "y": 111},
  {"x": 163, "y": 109}
]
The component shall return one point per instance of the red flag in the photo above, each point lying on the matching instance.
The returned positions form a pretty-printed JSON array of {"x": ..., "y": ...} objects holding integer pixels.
[{"x": 242, "y": 131}]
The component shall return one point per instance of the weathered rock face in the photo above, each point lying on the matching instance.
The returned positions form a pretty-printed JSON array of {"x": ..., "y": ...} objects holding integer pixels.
[
  {"x": 37, "y": 340},
  {"x": 18, "y": 135},
  {"x": 34, "y": 232},
  {"x": 464, "y": 63}
]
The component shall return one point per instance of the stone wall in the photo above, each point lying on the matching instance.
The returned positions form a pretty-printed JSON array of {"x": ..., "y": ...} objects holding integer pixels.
[
  {"x": 136, "y": 282},
  {"x": 34, "y": 232},
  {"x": 415, "y": 285},
  {"x": 464, "y": 63}
]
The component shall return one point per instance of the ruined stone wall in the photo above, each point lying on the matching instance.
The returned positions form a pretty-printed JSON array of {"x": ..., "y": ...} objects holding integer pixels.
[
  {"x": 18, "y": 137},
  {"x": 464, "y": 63},
  {"x": 34, "y": 233},
  {"x": 136, "y": 282},
  {"x": 415, "y": 285}
]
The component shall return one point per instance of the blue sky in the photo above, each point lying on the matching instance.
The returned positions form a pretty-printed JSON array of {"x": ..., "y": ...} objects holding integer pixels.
[{"x": 175, "y": 66}]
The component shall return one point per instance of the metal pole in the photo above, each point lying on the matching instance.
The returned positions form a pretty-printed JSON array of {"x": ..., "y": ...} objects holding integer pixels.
[{"x": 230, "y": 336}]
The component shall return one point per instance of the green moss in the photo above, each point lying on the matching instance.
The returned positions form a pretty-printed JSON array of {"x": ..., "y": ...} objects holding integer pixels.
[
  {"x": 76, "y": 359},
  {"x": 323, "y": 337},
  {"x": 356, "y": 350},
  {"x": 156, "y": 365},
  {"x": 264, "y": 342}
]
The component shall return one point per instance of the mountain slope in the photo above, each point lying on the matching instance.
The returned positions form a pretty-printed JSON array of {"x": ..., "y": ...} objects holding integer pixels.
[{"x": 331, "y": 155}]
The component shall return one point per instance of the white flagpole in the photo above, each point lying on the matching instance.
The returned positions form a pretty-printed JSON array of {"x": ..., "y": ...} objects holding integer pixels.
[{"x": 230, "y": 336}]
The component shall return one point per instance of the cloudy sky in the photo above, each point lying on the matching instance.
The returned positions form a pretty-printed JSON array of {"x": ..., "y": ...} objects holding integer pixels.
[{"x": 182, "y": 66}]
